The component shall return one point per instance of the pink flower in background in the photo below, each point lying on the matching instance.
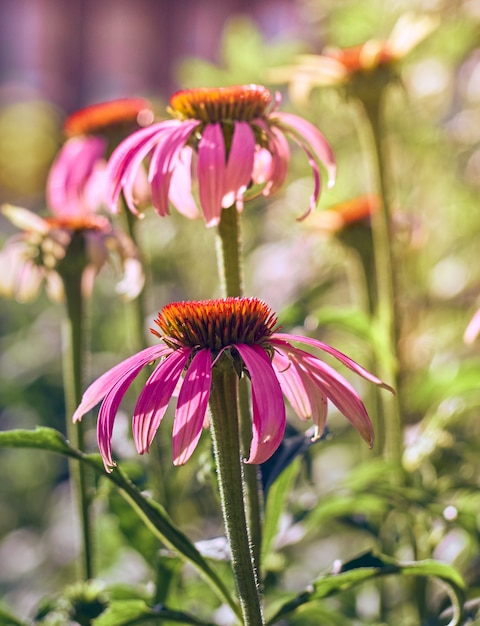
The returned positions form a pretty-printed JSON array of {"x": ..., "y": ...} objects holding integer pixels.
[
  {"x": 194, "y": 335},
  {"x": 342, "y": 66},
  {"x": 75, "y": 192},
  {"x": 224, "y": 140}
]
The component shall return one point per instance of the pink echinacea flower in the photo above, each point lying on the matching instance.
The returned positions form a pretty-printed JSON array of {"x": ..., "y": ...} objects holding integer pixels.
[
  {"x": 230, "y": 141},
  {"x": 75, "y": 193},
  {"x": 194, "y": 335}
]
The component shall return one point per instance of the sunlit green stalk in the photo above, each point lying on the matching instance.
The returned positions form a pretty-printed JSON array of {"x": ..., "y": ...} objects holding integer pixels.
[
  {"x": 226, "y": 442},
  {"x": 230, "y": 265},
  {"x": 386, "y": 312},
  {"x": 71, "y": 270}
]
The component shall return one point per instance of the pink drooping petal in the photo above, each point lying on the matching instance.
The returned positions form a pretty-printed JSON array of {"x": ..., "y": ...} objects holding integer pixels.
[
  {"x": 338, "y": 389},
  {"x": 284, "y": 340},
  {"x": 238, "y": 172},
  {"x": 155, "y": 396},
  {"x": 69, "y": 174},
  {"x": 211, "y": 171},
  {"x": 267, "y": 401},
  {"x": 128, "y": 156},
  {"x": 306, "y": 133},
  {"x": 99, "y": 389},
  {"x": 181, "y": 185},
  {"x": 107, "y": 414},
  {"x": 280, "y": 160},
  {"x": 307, "y": 400},
  {"x": 191, "y": 407},
  {"x": 164, "y": 160}
]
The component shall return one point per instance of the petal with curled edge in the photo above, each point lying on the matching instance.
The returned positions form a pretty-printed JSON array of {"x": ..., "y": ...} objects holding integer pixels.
[
  {"x": 306, "y": 398},
  {"x": 307, "y": 135},
  {"x": 100, "y": 387},
  {"x": 284, "y": 339},
  {"x": 267, "y": 401},
  {"x": 191, "y": 407},
  {"x": 127, "y": 157},
  {"x": 163, "y": 163},
  {"x": 338, "y": 390},
  {"x": 155, "y": 396}
]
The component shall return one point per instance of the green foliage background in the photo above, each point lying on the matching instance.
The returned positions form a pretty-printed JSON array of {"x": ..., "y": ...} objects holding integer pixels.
[{"x": 342, "y": 501}]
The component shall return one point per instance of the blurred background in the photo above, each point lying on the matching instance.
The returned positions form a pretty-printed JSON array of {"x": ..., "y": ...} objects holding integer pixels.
[{"x": 58, "y": 56}]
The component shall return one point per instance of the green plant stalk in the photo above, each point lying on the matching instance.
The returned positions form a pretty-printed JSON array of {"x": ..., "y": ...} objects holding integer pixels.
[
  {"x": 226, "y": 443},
  {"x": 387, "y": 318},
  {"x": 230, "y": 267},
  {"x": 138, "y": 304},
  {"x": 71, "y": 271}
]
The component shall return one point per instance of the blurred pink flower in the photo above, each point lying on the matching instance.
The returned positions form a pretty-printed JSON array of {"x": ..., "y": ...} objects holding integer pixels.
[
  {"x": 194, "y": 336},
  {"x": 342, "y": 66},
  {"x": 75, "y": 191},
  {"x": 227, "y": 140}
]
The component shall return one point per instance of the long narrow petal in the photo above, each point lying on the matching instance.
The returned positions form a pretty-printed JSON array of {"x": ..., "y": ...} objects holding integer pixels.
[
  {"x": 164, "y": 160},
  {"x": 306, "y": 398},
  {"x": 211, "y": 168},
  {"x": 99, "y": 389},
  {"x": 267, "y": 400},
  {"x": 107, "y": 414},
  {"x": 126, "y": 155},
  {"x": 339, "y": 390},
  {"x": 191, "y": 407},
  {"x": 284, "y": 339},
  {"x": 280, "y": 160},
  {"x": 155, "y": 396},
  {"x": 305, "y": 132},
  {"x": 180, "y": 194},
  {"x": 238, "y": 172}
]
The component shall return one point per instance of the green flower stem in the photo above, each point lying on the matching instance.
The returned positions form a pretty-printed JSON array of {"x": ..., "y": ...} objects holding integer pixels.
[
  {"x": 138, "y": 304},
  {"x": 386, "y": 289},
  {"x": 253, "y": 487},
  {"x": 229, "y": 254},
  {"x": 71, "y": 270},
  {"x": 226, "y": 442}
]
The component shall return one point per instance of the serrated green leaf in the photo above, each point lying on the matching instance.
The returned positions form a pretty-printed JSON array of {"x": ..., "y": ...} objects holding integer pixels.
[
  {"x": 152, "y": 513},
  {"x": 369, "y": 566}
]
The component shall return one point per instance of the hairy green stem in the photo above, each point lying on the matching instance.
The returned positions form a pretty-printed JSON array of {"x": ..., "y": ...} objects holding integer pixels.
[
  {"x": 230, "y": 266},
  {"x": 229, "y": 253},
  {"x": 71, "y": 270},
  {"x": 226, "y": 442}
]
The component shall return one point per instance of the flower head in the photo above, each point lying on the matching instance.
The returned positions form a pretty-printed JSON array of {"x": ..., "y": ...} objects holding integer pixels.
[
  {"x": 372, "y": 61},
  {"x": 227, "y": 140},
  {"x": 75, "y": 193},
  {"x": 193, "y": 336}
]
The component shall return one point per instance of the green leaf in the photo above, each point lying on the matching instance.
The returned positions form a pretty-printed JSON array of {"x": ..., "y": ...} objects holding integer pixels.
[
  {"x": 133, "y": 612},
  {"x": 276, "y": 502},
  {"x": 369, "y": 566},
  {"x": 152, "y": 513}
]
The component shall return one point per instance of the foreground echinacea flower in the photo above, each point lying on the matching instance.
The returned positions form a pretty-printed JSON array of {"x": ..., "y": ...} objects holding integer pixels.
[
  {"x": 194, "y": 336},
  {"x": 226, "y": 139},
  {"x": 75, "y": 192}
]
